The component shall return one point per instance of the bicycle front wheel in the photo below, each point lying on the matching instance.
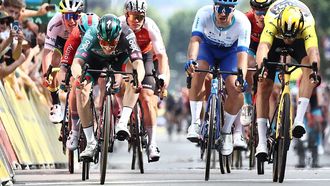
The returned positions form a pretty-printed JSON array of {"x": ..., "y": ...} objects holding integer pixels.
[
  {"x": 105, "y": 134},
  {"x": 284, "y": 137},
  {"x": 210, "y": 140}
]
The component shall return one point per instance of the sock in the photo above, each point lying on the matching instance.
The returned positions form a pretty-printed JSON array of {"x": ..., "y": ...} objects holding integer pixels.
[
  {"x": 125, "y": 115},
  {"x": 151, "y": 131},
  {"x": 247, "y": 98},
  {"x": 89, "y": 133},
  {"x": 262, "y": 129},
  {"x": 238, "y": 126},
  {"x": 74, "y": 121},
  {"x": 301, "y": 109},
  {"x": 55, "y": 98},
  {"x": 229, "y": 120},
  {"x": 196, "y": 109}
]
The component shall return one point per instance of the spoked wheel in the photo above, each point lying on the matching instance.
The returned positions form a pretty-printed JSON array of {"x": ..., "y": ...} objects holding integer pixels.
[
  {"x": 284, "y": 138},
  {"x": 105, "y": 135},
  {"x": 85, "y": 170},
  {"x": 210, "y": 139},
  {"x": 137, "y": 138},
  {"x": 71, "y": 161}
]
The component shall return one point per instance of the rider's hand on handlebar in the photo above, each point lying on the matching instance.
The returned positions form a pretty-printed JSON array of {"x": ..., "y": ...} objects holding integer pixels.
[
  {"x": 190, "y": 66},
  {"x": 263, "y": 73},
  {"x": 241, "y": 85}
]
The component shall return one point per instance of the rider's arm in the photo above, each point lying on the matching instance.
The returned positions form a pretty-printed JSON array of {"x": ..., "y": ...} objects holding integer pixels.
[
  {"x": 311, "y": 44},
  {"x": 193, "y": 47},
  {"x": 243, "y": 44},
  {"x": 139, "y": 66},
  {"x": 262, "y": 52},
  {"x": 159, "y": 49},
  {"x": 76, "y": 67}
]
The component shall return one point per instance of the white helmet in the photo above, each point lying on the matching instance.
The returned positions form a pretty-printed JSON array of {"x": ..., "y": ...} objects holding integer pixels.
[
  {"x": 136, "y": 6},
  {"x": 67, "y": 6}
]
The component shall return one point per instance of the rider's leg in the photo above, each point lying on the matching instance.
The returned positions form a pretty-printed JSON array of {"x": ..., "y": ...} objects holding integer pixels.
[
  {"x": 55, "y": 114},
  {"x": 263, "y": 94},
  {"x": 129, "y": 100},
  {"x": 305, "y": 92},
  {"x": 85, "y": 115},
  {"x": 239, "y": 140},
  {"x": 72, "y": 141},
  {"x": 196, "y": 97}
]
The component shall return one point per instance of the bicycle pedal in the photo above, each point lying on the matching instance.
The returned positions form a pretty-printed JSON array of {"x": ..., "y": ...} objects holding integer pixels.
[{"x": 154, "y": 159}]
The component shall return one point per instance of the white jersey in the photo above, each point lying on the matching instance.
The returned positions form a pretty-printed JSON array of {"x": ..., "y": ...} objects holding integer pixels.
[
  {"x": 235, "y": 35},
  {"x": 55, "y": 28},
  {"x": 149, "y": 37}
]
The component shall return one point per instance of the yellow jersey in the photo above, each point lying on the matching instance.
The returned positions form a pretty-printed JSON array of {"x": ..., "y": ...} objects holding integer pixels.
[{"x": 271, "y": 30}]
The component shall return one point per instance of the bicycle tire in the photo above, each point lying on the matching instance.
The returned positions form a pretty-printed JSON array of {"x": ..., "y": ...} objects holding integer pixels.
[
  {"x": 138, "y": 133},
  {"x": 105, "y": 133},
  {"x": 284, "y": 140},
  {"x": 222, "y": 163},
  {"x": 71, "y": 161},
  {"x": 228, "y": 160},
  {"x": 210, "y": 139},
  {"x": 260, "y": 167},
  {"x": 275, "y": 163},
  {"x": 252, "y": 140},
  {"x": 85, "y": 171}
]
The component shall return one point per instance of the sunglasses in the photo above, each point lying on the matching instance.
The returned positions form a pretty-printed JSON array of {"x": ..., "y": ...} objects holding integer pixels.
[
  {"x": 108, "y": 45},
  {"x": 69, "y": 16},
  {"x": 138, "y": 17},
  {"x": 260, "y": 12},
  {"x": 224, "y": 9},
  {"x": 4, "y": 22}
]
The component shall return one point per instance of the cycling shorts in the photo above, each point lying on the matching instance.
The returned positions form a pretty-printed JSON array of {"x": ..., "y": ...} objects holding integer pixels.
[
  {"x": 148, "y": 81},
  {"x": 226, "y": 58}
]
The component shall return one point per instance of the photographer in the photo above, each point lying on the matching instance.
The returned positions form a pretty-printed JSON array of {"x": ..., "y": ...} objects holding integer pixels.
[{"x": 10, "y": 46}]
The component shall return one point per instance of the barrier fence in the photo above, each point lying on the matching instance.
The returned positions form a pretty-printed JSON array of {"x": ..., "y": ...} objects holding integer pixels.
[{"x": 27, "y": 137}]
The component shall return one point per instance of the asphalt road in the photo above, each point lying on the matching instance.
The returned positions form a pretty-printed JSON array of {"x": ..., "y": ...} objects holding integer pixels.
[{"x": 179, "y": 165}]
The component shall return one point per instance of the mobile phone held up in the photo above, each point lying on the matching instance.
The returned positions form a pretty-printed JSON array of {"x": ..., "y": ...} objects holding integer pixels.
[
  {"x": 15, "y": 26},
  {"x": 50, "y": 7}
]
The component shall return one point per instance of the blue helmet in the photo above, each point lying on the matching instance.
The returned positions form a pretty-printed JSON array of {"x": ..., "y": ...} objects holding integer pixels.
[{"x": 226, "y": 2}]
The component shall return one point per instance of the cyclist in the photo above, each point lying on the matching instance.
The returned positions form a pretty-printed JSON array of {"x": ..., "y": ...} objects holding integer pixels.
[
  {"x": 287, "y": 23},
  {"x": 110, "y": 42},
  {"x": 256, "y": 17},
  {"x": 86, "y": 21},
  {"x": 220, "y": 34},
  {"x": 150, "y": 41},
  {"x": 58, "y": 30}
]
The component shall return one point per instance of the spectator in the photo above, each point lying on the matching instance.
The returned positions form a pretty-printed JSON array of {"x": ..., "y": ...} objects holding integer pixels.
[{"x": 10, "y": 47}]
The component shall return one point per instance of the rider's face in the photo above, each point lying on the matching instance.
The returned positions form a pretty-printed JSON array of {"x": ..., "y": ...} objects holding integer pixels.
[
  {"x": 259, "y": 16},
  {"x": 135, "y": 20},
  {"x": 223, "y": 13},
  {"x": 108, "y": 47},
  {"x": 70, "y": 20}
]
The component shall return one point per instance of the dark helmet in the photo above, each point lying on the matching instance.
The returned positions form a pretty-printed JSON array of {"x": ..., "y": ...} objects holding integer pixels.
[
  {"x": 260, "y": 4},
  {"x": 109, "y": 27}
]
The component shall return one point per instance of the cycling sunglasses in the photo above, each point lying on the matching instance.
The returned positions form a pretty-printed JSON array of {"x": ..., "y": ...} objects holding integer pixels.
[
  {"x": 224, "y": 9},
  {"x": 138, "y": 17},
  {"x": 69, "y": 16},
  {"x": 108, "y": 45},
  {"x": 260, "y": 12}
]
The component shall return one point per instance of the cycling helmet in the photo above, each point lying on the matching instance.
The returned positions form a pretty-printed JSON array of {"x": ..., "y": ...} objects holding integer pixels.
[
  {"x": 226, "y": 2},
  {"x": 67, "y": 6},
  {"x": 87, "y": 20},
  {"x": 290, "y": 21},
  {"x": 109, "y": 27},
  {"x": 136, "y": 6},
  {"x": 260, "y": 4}
]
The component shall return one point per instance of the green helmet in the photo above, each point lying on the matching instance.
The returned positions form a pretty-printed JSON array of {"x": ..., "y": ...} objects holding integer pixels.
[{"x": 109, "y": 27}]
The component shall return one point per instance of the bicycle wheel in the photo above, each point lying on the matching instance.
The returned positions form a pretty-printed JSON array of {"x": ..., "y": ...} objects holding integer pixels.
[
  {"x": 85, "y": 171},
  {"x": 71, "y": 161},
  {"x": 222, "y": 163},
  {"x": 210, "y": 140},
  {"x": 252, "y": 140},
  {"x": 275, "y": 163},
  {"x": 284, "y": 137},
  {"x": 138, "y": 132},
  {"x": 260, "y": 167},
  {"x": 105, "y": 135},
  {"x": 228, "y": 163}
]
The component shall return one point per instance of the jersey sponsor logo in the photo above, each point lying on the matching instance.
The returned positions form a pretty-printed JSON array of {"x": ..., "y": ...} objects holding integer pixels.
[
  {"x": 133, "y": 46},
  {"x": 130, "y": 36},
  {"x": 307, "y": 37},
  {"x": 68, "y": 52},
  {"x": 277, "y": 8},
  {"x": 136, "y": 55},
  {"x": 84, "y": 54},
  {"x": 85, "y": 45}
]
